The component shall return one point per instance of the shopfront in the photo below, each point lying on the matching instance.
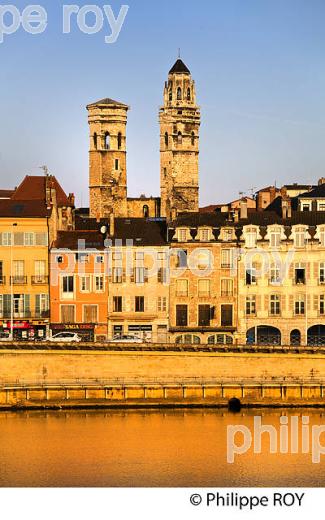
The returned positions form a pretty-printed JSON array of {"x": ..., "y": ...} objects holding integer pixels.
[
  {"x": 140, "y": 331},
  {"x": 25, "y": 330},
  {"x": 84, "y": 330}
]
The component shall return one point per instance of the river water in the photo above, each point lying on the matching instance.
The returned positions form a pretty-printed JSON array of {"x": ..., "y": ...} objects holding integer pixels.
[{"x": 151, "y": 448}]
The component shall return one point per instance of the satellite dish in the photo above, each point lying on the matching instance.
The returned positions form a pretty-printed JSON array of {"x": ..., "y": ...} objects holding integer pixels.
[{"x": 103, "y": 230}]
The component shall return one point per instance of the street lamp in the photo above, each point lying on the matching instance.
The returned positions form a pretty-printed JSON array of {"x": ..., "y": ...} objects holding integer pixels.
[{"x": 11, "y": 285}]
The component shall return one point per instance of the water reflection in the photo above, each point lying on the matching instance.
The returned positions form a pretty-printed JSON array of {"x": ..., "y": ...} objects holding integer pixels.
[{"x": 145, "y": 448}]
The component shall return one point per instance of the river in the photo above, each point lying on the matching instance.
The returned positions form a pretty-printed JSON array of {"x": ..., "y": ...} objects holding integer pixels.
[{"x": 174, "y": 448}]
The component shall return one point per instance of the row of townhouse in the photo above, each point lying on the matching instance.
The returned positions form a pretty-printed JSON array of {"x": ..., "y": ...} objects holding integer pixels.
[{"x": 212, "y": 278}]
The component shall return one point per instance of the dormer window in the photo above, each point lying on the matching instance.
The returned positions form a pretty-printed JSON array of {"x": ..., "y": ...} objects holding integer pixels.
[
  {"x": 204, "y": 235},
  {"x": 182, "y": 235},
  {"x": 227, "y": 234},
  {"x": 251, "y": 237},
  {"x": 179, "y": 94},
  {"x": 300, "y": 237}
]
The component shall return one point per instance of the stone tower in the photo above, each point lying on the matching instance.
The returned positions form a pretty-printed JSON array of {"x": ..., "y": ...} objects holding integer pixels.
[
  {"x": 107, "y": 158},
  {"x": 179, "y": 144}
]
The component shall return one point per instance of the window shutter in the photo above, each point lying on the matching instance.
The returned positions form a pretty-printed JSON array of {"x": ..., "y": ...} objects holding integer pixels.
[
  {"x": 291, "y": 270},
  {"x": 258, "y": 303},
  {"x": 291, "y": 303},
  {"x": 123, "y": 276},
  {"x": 27, "y": 303},
  {"x": 38, "y": 304},
  {"x": 308, "y": 302},
  {"x": 6, "y": 305},
  {"x": 18, "y": 239},
  {"x": 146, "y": 275},
  {"x": 316, "y": 270},
  {"x": 308, "y": 270},
  {"x": 132, "y": 277},
  {"x": 283, "y": 300},
  {"x": 315, "y": 303}
]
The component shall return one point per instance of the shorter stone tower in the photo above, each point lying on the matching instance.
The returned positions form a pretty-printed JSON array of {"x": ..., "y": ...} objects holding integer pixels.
[
  {"x": 179, "y": 144},
  {"x": 107, "y": 158}
]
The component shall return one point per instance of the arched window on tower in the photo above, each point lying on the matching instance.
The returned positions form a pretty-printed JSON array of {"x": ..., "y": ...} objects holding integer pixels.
[
  {"x": 95, "y": 141},
  {"x": 145, "y": 211},
  {"x": 179, "y": 94},
  {"x": 119, "y": 141},
  {"x": 107, "y": 141},
  {"x": 188, "y": 94},
  {"x": 166, "y": 139},
  {"x": 170, "y": 95},
  {"x": 193, "y": 139},
  {"x": 179, "y": 138}
]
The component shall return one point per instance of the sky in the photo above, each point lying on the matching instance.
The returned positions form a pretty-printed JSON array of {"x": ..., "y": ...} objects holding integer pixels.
[{"x": 260, "y": 80}]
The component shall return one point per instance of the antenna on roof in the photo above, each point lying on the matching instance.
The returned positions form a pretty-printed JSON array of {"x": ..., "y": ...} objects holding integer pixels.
[
  {"x": 45, "y": 170},
  {"x": 179, "y": 52},
  {"x": 253, "y": 190},
  {"x": 241, "y": 194}
]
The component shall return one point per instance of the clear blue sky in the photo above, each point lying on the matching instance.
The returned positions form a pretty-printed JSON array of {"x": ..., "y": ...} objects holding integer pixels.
[{"x": 259, "y": 69}]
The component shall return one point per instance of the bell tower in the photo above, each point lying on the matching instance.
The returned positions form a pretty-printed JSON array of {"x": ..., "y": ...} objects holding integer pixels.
[
  {"x": 180, "y": 121},
  {"x": 107, "y": 158}
]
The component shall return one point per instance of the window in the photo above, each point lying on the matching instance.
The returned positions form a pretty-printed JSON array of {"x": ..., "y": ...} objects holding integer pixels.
[
  {"x": 275, "y": 305},
  {"x": 40, "y": 269},
  {"x": 41, "y": 239},
  {"x": 188, "y": 339},
  {"x": 95, "y": 141},
  {"x": 90, "y": 314},
  {"x": 300, "y": 237},
  {"x": 179, "y": 138},
  {"x": 170, "y": 95},
  {"x": 67, "y": 314},
  {"x": 99, "y": 283},
  {"x": 162, "y": 275},
  {"x": 99, "y": 259},
  {"x": 67, "y": 286},
  {"x": 322, "y": 304},
  {"x": 145, "y": 211},
  {"x": 300, "y": 305},
  {"x": 220, "y": 339},
  {"x": 182, "y": 235},
  {"x": 162, "y": 304},
  {"x": 250, "y": 305},
  {"x": 29, "y": 239},
  {"x": 305, "y": 206},
  {"x": 179, "y": 94},
  {"x": 107, "y": 141},
  {"x": 139, "y": 304},
  {"x": 300, "y": 275},
  {"x": 227, "y": 287},
  {"x": 193, "y": 139},
  {"x": 275, "y": 238},
  {"x": 2, "y": 279},
  {"x": 251, "y": 237},
  {"x": 227, "y": 258},
  {"x": 42, "y": 305},
  {"x": 117, "y": 275},
  {"x": 275, "y": 278},
  {"x": 85, "y": 284},
  {"x": 119, "y": 140},
  {"x": 322, "y": 272},
  {"x": 6, "y": 239},
  {"x": 18, "y": 239},
  {"x": 141, "y": 275},
  {"x": 204, "y": 259},
  {"x": 204, "y": 316},
  {"x": 181, "y": 259},
  {"x": 204, "y": 287},
  {"x": 181, "y": 287},
  {"x": 82, "y": 258},
  {"x": 188, "y": 94},
  {"x": 204, "y": 235},
  {"x": 226, "y": 316},
  {"x": 251, "y": 275},
  {"x": 117, "y": 304},
  {"x": 18, "y": 274},
  {"x": 166, "y": 139},
  {"x": 321, "y": 206},
  {"x": 117, "y": 164},
  {"x": 181, "y": 315},
  {"x": 322, "y": 237}
]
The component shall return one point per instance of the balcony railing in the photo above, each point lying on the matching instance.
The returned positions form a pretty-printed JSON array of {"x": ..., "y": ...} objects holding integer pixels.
[
  {"x": 18, "y": 280},
  {"x": 40, "y": 279}
]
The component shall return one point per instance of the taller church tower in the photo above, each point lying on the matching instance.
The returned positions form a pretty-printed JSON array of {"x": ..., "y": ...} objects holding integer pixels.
[
  {"x": 107, "y": 158},
  {"x": 179, "y": 144}
]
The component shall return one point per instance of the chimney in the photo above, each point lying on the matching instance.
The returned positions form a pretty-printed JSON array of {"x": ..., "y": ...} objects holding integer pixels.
[
  {"x": 321, "y": 181},
  {"x": 111, "y": 224},
  {"x": 243, "y": 209},
  {"x": 71, "y": 198}
]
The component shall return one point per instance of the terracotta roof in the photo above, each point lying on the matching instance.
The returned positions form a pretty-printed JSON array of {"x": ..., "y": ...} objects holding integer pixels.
[
  {"x": 6, "y": 194},
  {"x": 23, "y": 209},
  {"x": 179, "y": 68},
  {"x": 33, "y": 187}
]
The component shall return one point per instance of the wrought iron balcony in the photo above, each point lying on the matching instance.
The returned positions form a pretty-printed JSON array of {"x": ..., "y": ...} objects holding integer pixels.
[
  {"x": 18, "y": 280},
  {"x": 40, "y": 279}
]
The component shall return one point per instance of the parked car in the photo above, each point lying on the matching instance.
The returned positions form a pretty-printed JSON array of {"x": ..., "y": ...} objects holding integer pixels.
[
  {"x": 5, "y": 336},
  {"x": 126, "y": 339},
  {"x": 70, "y": 337}
]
